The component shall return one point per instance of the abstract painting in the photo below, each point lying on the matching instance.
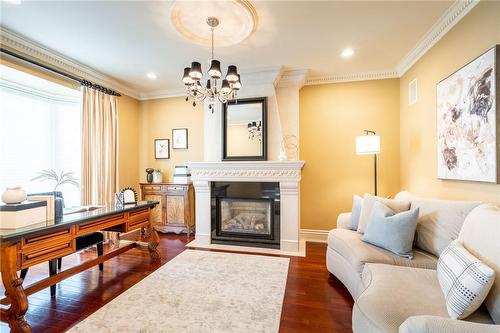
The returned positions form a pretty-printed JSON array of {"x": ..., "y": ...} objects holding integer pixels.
[{"x": 467, "y": 123}]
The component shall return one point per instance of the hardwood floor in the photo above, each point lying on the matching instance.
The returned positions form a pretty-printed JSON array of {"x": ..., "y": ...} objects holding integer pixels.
[{"x": 314, "y": 301}]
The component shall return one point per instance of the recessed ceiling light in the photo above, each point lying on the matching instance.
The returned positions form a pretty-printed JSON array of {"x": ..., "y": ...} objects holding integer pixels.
[
  {"x": 347, "y": 53},
  {"x": 151, "y": 76}
]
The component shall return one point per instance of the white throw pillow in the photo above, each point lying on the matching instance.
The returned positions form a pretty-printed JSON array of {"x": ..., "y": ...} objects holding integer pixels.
[
  {"x": 397, "y": 206},
  {"x": 464, "y": 280}
]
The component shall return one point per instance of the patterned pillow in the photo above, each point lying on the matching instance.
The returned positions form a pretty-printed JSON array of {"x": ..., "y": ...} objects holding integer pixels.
[{"x": 464, "y": 280}]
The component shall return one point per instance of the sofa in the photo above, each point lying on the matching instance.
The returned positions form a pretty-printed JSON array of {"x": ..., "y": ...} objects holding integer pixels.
[{"x": 396, "y": 294}]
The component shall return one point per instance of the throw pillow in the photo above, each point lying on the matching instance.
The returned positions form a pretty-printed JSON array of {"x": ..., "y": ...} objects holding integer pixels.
[
  {"x": 392, "y": 231},
  {"x": 357, "y": 201},
  {"x": 464, "y": 280},
  {"x": 397, "y": 206}
]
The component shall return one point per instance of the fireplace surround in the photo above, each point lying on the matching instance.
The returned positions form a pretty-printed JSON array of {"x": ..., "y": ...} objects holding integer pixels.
[
  {"x": 246, "y": 213},
  {"x": 286, "y": 173}
]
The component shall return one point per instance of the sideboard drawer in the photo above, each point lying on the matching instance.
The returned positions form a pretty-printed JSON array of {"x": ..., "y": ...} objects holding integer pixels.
[
  {"x": 176, "y": 188},
  {"x": 151, "y": 187}
]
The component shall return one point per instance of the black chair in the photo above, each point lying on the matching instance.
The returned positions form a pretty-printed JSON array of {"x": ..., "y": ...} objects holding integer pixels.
[{"x": 82, "y": 242}]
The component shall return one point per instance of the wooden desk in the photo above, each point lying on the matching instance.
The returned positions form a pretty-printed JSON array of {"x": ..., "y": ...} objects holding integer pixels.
[{"x": 29, "y": 246}]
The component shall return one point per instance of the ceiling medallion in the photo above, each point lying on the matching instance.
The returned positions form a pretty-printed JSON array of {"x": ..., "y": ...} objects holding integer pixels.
[
  {"x": 193, "y": 75},
  {"x": 237, "y": 18}
]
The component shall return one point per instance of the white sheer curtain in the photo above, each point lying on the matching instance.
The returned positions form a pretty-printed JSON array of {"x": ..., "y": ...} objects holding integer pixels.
[{"x": 99, "y": 149}]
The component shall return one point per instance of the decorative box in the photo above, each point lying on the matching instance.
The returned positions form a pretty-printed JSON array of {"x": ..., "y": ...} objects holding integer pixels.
[{"x": 20, "y": 215}]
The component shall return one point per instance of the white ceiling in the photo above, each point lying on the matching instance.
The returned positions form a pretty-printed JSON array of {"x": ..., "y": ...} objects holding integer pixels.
[{"x": 126, "y": 40}]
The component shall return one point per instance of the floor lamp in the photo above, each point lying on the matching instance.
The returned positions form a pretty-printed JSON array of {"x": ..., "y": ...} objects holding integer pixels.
[{"x": 369, "y": 144}]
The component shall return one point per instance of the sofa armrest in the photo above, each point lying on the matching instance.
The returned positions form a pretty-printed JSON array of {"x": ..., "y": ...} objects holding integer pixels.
[
  {"x": 343, "y": 220},
  {"x": 434, "y": 324}
]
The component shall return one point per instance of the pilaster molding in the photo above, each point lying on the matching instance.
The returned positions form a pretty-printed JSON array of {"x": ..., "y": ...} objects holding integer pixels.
[
  {"x": 32, "y": 49},
  {"x": 290, "y": 188},
  {"x": 452, "y": 16}
]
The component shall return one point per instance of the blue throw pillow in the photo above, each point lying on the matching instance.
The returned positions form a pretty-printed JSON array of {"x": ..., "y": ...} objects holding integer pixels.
[
  {"x": 391, "y": 231},
  {"x": 357, "y": 202}
]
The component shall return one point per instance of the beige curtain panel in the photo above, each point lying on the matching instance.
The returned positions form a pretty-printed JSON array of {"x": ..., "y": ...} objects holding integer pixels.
[{"x": 99, "y": 148}]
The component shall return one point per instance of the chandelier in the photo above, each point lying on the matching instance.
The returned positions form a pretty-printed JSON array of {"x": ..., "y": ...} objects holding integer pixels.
[
  {"x": 193, "y": 75},
  {"x": 255, "y": 130}
]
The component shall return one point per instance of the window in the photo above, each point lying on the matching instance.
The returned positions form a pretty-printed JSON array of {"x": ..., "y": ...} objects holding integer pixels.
[{"x": 39, "y": 130}]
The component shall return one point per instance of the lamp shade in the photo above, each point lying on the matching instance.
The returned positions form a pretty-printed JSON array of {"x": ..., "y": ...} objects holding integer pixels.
[
  {"x": 367, "y": 144},
  {"x": 225, "y": 89},
  {"x": 214, "y": 71},
  {"x": 186, "y": 79},
  {"x": 237, "y": 84},
  {"x": 232, "y": 74},
  {"x": 195, "y": 72}
]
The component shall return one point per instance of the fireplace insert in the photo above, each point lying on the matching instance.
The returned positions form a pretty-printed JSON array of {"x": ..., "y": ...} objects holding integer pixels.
[{"x": 246, "y": 213}]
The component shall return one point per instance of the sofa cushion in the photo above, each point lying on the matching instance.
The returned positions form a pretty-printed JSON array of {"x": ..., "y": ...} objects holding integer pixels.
[
  {"x": 439, "y": 221},
  {"x": 391, "y": 231},
  {"x": 464, "y": 280},
  {"x": 367, "y": 206},
  {"x": 480, "y": 235},
  {"x": 357, "y": 203},
  {"x": 348, "y": 243},
  {"x": 394, "y": 293}
]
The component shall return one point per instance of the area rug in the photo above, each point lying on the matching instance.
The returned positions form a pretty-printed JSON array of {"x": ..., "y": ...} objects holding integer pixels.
[{"x": 199, "y": 291}]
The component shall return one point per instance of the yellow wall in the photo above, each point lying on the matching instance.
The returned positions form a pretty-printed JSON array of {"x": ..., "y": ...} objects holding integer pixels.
[
  {"x": 331, "y": 116},
  {"x": 157, "y": 119},
  {"x": 474, "y": 34},
  {"x": 128, "y": 142}
]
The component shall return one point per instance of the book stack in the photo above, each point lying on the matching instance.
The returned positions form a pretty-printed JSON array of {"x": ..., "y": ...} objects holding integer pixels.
[{"x": 182, "y": 175}]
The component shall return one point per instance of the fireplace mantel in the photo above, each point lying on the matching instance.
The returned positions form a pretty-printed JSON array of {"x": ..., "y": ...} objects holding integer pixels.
[
  {"x": 272, "y": 171},
  {"x": 286, "y": 173}
]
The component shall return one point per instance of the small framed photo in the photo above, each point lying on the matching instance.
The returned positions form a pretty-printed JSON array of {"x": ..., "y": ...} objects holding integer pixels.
[
  {"x": 162, "y": 148},
  {"x": 180, "y": 138}
]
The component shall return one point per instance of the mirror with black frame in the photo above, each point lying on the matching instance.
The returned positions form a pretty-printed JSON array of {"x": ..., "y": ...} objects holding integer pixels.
[{"x": 244, "y": 126}]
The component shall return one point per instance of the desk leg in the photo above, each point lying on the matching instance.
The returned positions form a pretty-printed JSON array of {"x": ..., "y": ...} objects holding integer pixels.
[
  {"x": 14, "y": 290},
  {"x": 154, "y": 239}
]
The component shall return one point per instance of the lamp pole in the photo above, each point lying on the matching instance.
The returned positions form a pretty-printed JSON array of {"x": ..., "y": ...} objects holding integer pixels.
[{"x": 375, "y": 171}]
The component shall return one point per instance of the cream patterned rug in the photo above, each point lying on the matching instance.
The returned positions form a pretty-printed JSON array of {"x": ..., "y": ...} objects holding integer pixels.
[{"x": 202, "y": 292}]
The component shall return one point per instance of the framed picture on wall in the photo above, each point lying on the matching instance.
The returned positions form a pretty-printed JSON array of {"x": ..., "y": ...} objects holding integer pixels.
[
  {"x": 180, "y": 138},
  {"x": 162, "y": 149},
  {"x": 468, "y": 126}
]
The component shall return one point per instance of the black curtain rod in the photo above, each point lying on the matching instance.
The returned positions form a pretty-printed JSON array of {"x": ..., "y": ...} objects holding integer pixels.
[{"x": 66, "y": 75}]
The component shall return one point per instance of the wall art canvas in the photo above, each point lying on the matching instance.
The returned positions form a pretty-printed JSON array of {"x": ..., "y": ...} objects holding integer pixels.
[{"x": 467, "y": 121}]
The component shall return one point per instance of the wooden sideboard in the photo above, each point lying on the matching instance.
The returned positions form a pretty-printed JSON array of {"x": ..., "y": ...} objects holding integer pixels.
[{"x": 175, "y": 213}]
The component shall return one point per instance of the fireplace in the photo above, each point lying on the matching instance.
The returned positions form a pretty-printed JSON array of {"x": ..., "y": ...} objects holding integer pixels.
[{"x": 246, "y": 213}]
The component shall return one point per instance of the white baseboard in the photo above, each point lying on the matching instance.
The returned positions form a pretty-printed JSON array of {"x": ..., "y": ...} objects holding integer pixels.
[{"x": 313, "y": 235}]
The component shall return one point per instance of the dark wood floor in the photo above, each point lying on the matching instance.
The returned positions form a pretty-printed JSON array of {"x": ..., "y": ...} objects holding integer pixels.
[{"x": 314, "y": 301}]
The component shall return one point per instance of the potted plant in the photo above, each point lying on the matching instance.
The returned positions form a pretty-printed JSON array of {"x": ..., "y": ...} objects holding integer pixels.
[{"x": 59, "y": 179}]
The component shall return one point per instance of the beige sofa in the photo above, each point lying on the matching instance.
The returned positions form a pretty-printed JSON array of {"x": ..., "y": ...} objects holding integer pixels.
[{"x": 394, "y": 294}]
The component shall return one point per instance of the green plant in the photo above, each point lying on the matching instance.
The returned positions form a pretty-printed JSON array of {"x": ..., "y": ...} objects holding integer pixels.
[{"x": 59, "y": 179}]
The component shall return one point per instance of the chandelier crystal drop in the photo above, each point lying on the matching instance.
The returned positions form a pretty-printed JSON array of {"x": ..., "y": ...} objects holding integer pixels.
[{"x": 216, "y": 88}]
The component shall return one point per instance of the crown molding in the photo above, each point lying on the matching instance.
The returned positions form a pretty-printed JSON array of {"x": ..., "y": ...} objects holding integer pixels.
[
  {"x": 452, "y": 16},
  {"x": 275, "y": 75},
  {"x": 335, "y": 78},
  {"x": 37, "y": 51},
  {"x": 293, "y": 78}
]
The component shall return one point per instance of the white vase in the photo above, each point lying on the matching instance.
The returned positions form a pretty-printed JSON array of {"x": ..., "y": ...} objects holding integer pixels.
[
  {"x": 157, "y": 176},
  {"x": 14, "y": 195}
]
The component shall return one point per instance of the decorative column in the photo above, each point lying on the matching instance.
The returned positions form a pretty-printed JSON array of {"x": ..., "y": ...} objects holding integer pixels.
[
  {"x": 290, "y": 217},
  {"x": 203, "y": 211}
]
